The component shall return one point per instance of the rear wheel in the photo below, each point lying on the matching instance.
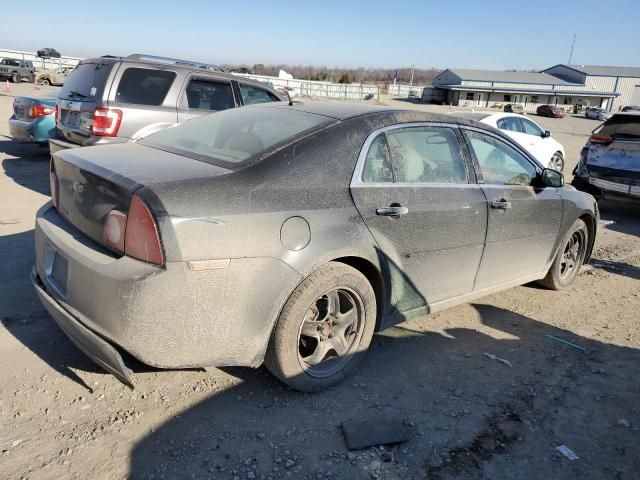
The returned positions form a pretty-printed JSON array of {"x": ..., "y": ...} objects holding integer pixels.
[
  {"x": 324, "y": 329},
  {"x": 569, "y": 259},
  {"x": 15, "y": 78},
  {"x": 46, "y": 82},
  {"x": 557, "y": 162}
]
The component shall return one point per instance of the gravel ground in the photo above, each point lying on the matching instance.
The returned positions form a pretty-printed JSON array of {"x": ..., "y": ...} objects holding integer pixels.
[{"x": 469, "y": 417}]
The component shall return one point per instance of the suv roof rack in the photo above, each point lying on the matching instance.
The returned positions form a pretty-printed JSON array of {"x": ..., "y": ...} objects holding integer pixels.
[{"x": 172, "y": 61}]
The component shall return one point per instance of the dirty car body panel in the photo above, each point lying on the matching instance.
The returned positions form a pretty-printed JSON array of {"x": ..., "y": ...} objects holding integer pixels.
[
  {"x": 32, "y": 120},
  {"x": 240, "y": 232}
]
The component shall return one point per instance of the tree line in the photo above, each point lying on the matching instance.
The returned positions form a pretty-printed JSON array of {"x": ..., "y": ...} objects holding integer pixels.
[{"x": 343, "y": 75}]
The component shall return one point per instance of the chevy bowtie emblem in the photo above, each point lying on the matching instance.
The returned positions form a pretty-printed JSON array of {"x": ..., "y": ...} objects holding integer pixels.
[{"x": 77, "y": 187}]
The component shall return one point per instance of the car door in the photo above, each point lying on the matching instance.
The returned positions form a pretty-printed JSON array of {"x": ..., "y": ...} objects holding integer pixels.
[
  {"x": 523, "y": 220},
  {"x": 538, "y": 145},
  {"x": 203, "y": 95},
  {"x": 416, "y": 192}
]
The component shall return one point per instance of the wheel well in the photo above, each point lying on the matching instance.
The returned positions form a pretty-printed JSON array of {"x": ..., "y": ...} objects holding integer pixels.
[
  {"x": 590, "y": 221},
  {"x": 371, "y": 272}
]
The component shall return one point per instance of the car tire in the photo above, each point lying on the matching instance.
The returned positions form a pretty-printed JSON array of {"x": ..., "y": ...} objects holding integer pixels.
[
  {"x": 314, "y": 319},
  {"x": 15, "y": 78},
  {"x": 557, "y": 162},
  {"x": 45, "y": 82},
  {"x": 569, "y": 259}
]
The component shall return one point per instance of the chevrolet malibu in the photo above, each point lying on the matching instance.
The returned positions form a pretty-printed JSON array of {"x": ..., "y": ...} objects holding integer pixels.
[{"x": 288, "y": 235}]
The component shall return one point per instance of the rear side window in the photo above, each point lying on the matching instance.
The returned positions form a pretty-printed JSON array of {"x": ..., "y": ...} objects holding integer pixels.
[
  {"x": 252, "y": 95},
  {"x": 142, "y": 86},
  {"x": 206, "y": 95},
  {"x": 622, "y": 126},
  {"x": 377, "y": 165},
  {"x": 509, "y": 123},
  {"x": 232, "y": 136}
]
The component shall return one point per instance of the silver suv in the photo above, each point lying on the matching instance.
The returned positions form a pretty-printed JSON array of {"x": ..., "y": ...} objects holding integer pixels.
[{"x": 115, "y": 99}]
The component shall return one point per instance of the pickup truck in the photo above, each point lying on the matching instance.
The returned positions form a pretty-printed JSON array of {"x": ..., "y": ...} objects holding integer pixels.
[{"x": 17, "y": 70}]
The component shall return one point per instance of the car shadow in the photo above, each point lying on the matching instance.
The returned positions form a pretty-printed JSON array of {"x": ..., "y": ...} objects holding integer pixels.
[
  {"x": 620, "y": 217},
  {"x": 448, "y": 391},
  {"x": 27, "y": 165}
]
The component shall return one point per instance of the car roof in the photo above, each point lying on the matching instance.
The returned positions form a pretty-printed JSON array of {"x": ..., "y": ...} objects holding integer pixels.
[
  {"x": 338, "y": 110},
  {"x": 477, "y": 116}
]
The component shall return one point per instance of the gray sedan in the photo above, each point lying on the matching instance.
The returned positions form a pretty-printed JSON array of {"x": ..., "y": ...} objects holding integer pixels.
[{"x": 287, "y": 235}]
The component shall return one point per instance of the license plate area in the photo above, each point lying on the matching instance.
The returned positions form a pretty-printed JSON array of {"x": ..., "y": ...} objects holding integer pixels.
[{"x": 56, "y": 269}]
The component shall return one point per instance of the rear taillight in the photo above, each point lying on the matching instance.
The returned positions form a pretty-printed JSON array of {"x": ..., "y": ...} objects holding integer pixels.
[
  {"x": 54, "y": 184},
  {"x": 135, "y": 233},
  {"x": 106, "y": 122},
  {"x": 604, "y": 139},
  {"x": 41, "y": 111}
]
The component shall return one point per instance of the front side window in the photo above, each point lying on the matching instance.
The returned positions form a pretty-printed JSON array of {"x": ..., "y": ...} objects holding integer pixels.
[
  {"x": 252, "y": 95},
  {"x": 426, "y": 155},
  {"x": 500, "y": 164},
  {"x": 143, "y": 86},
  {"x": 530, "y": 128},
  {"x": 206, "y": 95},
  {"x": 377, "y": 165}
]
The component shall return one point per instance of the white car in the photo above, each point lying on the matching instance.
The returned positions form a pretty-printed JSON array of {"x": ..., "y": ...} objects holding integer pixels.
[{"x": 531, "y": 136}]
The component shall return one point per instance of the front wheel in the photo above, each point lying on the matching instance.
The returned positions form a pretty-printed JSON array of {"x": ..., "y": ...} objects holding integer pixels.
[
  {"x": 569, "y": 259},
  {"x": 15, "y": 78},
  {"x": 324, "y": 329},
  {"x": 557, "y": 162}
]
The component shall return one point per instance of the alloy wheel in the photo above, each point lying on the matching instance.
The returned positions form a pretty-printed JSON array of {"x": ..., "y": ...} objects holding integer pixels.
[
  {"x": 330, "y": 332},
  {"x": 556, "y": 162},
  {"x": 572, "y": 255}
]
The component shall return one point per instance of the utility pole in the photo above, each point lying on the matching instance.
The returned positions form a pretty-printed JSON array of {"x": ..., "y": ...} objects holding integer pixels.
[
  {"x": 573, "y": 42},
  {"x": 412, "y": 69}
]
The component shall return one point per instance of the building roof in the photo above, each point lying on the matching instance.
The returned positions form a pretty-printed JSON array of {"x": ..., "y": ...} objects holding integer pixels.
[
  {"x": 531, "y": 91},
  {"x": 603, "y": 70},
  {"x": 507, "y": 77}
]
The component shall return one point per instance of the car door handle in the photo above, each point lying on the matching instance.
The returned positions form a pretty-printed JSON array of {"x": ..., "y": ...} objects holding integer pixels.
[
  {"x": 500, "y": 204},
  {"x": 392, "y": 211}
]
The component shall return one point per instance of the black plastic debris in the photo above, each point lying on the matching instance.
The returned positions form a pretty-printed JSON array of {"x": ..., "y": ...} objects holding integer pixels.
[{"x": 360, "y": 434}]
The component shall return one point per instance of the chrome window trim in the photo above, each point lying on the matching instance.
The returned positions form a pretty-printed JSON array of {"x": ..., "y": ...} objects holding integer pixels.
[{"x": 356, "y": 179}]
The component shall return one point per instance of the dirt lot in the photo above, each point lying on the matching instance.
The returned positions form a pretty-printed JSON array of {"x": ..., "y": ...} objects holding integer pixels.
[{"x": 469, "y": 417}]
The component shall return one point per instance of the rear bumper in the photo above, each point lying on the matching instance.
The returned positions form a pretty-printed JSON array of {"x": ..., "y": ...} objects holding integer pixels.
[
  {"x": 171, "y": 317},
  {"x": 607, "y": 189},
  {"x": 36, "y": 131},
  {"x": 88, "y": 342}
]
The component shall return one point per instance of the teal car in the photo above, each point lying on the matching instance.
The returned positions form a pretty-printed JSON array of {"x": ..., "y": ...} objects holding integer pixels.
[{"x": 32, "y": 119}]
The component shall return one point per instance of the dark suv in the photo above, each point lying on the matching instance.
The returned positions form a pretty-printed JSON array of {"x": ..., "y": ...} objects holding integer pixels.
[{"x": 116, "y": 99}]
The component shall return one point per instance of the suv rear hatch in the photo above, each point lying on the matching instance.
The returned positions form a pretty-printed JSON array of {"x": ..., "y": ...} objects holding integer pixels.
[
  {"x": 92, "y": 181},
  {"x": 82, "y": 92}
]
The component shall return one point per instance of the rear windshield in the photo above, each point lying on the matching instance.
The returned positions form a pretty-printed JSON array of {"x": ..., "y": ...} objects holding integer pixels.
[
  {"x": 231, "y": 137},
  {"x": 622, "y": 126},
  {"x": 143, "y": 86},
  {"x": 86, "y": 82}
]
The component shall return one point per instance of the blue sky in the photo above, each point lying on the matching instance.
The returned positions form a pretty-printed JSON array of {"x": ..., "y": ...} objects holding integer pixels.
[{"x": 390, "y": 33}]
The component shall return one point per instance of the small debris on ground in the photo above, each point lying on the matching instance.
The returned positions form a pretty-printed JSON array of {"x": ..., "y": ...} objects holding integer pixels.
[
  {"x": 498, "y": 359},
  {"x": 567, "y": 452},
  {"x": 360, "y": 434}
]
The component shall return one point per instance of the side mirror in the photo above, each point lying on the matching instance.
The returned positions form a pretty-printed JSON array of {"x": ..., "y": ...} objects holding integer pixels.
[
  {"x": 551, "y": 178},
  {"x": 546, "y": 134}
]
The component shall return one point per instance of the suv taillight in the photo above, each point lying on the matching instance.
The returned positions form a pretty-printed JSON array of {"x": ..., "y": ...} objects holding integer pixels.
[
  {"x": 41, "y": 111},
  {"x": 604, "y": 139},
  {"x": 135, "y": 233},
  {"x": 54, "y": 184},
  {"x": 106, "y": 122}
]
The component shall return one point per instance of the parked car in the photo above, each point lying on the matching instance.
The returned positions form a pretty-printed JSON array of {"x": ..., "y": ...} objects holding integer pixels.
[
  {"x": 631, "y": 108},
  {"x": 115, "y": 99},
  {"x": 32, "y": 119},
  {"x": 609, "y": 165},
  {"x": 514, "y": 108},
  {"x": 48, "y": 53},
  {"x": 17, "y": 70},
  {"x": 288, "y": 234},
  {"x": 550, "y": 111},
  {"x": 53, "y": 77},
  {"x": 597, "y": 113},
  {"x": 531, "y": 136}
]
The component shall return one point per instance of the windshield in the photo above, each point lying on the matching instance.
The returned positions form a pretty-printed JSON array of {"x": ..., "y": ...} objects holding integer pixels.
[
  {"x": 622, "y": 126},
  {"x": 230, "y": 137}
]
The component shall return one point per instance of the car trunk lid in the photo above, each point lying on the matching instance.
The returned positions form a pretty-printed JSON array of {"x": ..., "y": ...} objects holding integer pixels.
[
  {"x": 22, "y": 106},
  {"x": 95, "y": 180}
]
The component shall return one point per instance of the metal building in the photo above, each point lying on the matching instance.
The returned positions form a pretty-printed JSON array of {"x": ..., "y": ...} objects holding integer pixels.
[{"x": 562, "y": 85}]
